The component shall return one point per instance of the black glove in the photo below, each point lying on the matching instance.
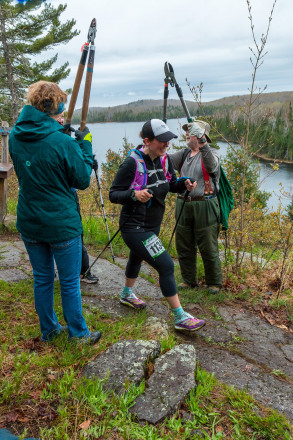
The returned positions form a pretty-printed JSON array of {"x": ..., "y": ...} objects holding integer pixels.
[
  {"x": 80, "y": 135},
  {"x": 95, "y": 163},
  {"x": 67, "y": 129}
]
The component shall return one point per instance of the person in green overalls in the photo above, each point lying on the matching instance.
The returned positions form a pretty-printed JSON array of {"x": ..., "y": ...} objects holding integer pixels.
[{"x": 198, "y": 226}]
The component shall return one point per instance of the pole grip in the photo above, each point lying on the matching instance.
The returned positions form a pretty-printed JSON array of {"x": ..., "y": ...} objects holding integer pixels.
[
  {"x": 179, "y": 91},
  {"x": 165, "y": 111},
  {"x": 87, "y": 87},
  {"x": 166, "y": 91},
  {"x": 186, "y": 110},
  {"x": 180, "y": 94},
  {"x": 166, "y": 94}
]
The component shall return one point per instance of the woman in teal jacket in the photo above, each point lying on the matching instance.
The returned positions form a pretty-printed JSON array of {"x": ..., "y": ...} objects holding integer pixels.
[{"x": 48, "y": 163}]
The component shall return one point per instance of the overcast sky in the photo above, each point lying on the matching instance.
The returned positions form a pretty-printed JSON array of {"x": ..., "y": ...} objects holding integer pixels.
[{"x": 206, "y": 41}]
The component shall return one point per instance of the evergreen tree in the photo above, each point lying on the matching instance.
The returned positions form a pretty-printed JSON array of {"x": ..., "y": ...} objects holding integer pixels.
[{"x": 26, "y": 30}]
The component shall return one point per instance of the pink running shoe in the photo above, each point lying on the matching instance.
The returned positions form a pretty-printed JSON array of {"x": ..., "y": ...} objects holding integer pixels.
[
  {"x": 191, "y": 324},
  {"x": 133, "y": 301}
]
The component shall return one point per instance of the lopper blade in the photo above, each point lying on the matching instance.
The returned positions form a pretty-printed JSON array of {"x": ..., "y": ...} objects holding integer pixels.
[{"x": 92, "y": 32}]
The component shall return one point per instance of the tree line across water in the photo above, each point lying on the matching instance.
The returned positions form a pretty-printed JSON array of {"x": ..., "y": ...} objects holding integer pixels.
[{"x": 271, "y": 133}]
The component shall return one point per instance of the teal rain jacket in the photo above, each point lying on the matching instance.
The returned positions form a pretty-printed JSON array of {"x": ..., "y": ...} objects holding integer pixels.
[{"x": 48, "y": 164}]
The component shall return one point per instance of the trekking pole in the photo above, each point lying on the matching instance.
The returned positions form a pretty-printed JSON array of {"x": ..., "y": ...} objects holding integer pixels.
[
  {"x": 110, "y": 241},
  {"x": 95, "y": 168},
  {"x": 185, "y": 198},
  {"x": 105, "y": 247},
  {"x": 89, "y": 75},
  {"x": 177, "y": 221},
  {"x": 169, "y": 71},
  {"x": 79, "y": 74}
]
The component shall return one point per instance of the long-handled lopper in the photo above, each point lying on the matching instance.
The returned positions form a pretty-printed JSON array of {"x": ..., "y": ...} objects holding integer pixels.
[
  {"x": 88, "y": 46},
  {"x": 170, "y": 78},
  {"x": 89, "y": 74}
]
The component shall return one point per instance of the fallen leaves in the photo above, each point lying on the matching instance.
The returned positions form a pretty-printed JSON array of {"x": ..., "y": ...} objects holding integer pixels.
[
  {"x": 35, "y": 394},
  {"x": 85, "y": 424},
  {"x": 274, "y": 322},
  {"x": 12, "y": 416},
  {"x": 23, "y": 419}
]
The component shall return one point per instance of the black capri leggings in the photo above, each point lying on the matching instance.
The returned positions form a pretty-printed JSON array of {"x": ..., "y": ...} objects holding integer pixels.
[{"x": 145, "y": 245}]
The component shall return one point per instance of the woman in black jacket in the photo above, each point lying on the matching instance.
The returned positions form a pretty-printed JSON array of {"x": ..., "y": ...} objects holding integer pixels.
[{"x": 141, "y": 185}]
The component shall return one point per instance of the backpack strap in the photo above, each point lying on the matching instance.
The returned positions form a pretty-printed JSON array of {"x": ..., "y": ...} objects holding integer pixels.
[
  {"x": 163, "y": 162},
  {"x": 184, "y": 156},
  {"x": 140, "y": 178},
  {"x": 141, "y": 172},
  {"x": 165, "y": 165},
  {"x": 206, "y": 178}
]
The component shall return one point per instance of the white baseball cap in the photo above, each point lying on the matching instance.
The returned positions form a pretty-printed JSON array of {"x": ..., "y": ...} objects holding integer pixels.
[{"x": 158, "y": 129}]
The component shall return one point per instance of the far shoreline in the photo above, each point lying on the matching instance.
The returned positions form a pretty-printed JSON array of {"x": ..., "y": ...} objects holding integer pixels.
[
  {"x": 269, "y": 159},
  {"x": 258, "y": 156},
  {"x": 261, "y": 156}
]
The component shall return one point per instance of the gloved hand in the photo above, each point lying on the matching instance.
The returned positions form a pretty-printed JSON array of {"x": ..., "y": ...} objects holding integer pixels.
[
  {"x": 195, "y": 130},
  {"x": 68, "y": 129},
  {"x": 83, "y": 135},
  {"x": 190, "y": 184},
  {"x": 95, "y": 163}
]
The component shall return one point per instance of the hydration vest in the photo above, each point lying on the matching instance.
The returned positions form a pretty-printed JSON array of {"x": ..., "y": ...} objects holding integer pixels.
[{"x": 142, "y": 173}]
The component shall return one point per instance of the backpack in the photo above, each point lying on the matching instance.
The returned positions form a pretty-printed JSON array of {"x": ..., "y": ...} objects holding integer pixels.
[
  {"x": 141, "y": 173},
  {"x": 224, "y": 194}
]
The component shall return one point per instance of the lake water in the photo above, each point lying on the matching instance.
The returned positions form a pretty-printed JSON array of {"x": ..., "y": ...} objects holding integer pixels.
[{"x": 110, "y": 135}]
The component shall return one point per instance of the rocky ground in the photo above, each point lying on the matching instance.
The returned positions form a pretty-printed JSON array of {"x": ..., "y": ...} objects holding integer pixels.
[{"x": 240, "y": 347}]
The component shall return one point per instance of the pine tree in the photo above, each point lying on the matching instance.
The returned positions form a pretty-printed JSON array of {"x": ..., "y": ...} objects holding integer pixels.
[{"x": 26, "y": 30}]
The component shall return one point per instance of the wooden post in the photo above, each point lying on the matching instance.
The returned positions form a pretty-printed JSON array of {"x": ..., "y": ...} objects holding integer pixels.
[{"x": 5, "y": 171}]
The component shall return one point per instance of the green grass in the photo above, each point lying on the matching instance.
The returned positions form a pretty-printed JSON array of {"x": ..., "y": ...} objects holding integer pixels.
[
  {"x": 43, "y": 383},
  {"x": 11, "y": 205},
  {"x": 200, "y": 294},
  {"x": 95, "y": 234}
]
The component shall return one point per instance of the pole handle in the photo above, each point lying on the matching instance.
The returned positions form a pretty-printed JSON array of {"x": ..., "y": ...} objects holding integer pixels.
[
  {"x": 166, "y": 94},
  {"x": 87, "y": 87},
  {"x": 77, "y": 83}
]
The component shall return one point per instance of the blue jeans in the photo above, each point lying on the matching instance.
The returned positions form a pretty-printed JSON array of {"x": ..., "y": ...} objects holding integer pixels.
[{"x": 67, "y": 255}]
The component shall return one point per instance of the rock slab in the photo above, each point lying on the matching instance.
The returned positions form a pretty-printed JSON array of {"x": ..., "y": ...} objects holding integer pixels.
[
  {"x": 123, "y": 361},
  {"x": 231, "y": 368},
  {"x": 171, "y": 382},
  {"x": 10, "y": 256},
  {"x": 13, "y": 275}
]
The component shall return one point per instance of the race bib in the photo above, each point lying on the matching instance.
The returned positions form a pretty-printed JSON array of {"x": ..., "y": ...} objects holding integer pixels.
[{"x": 154, "y": 246}]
